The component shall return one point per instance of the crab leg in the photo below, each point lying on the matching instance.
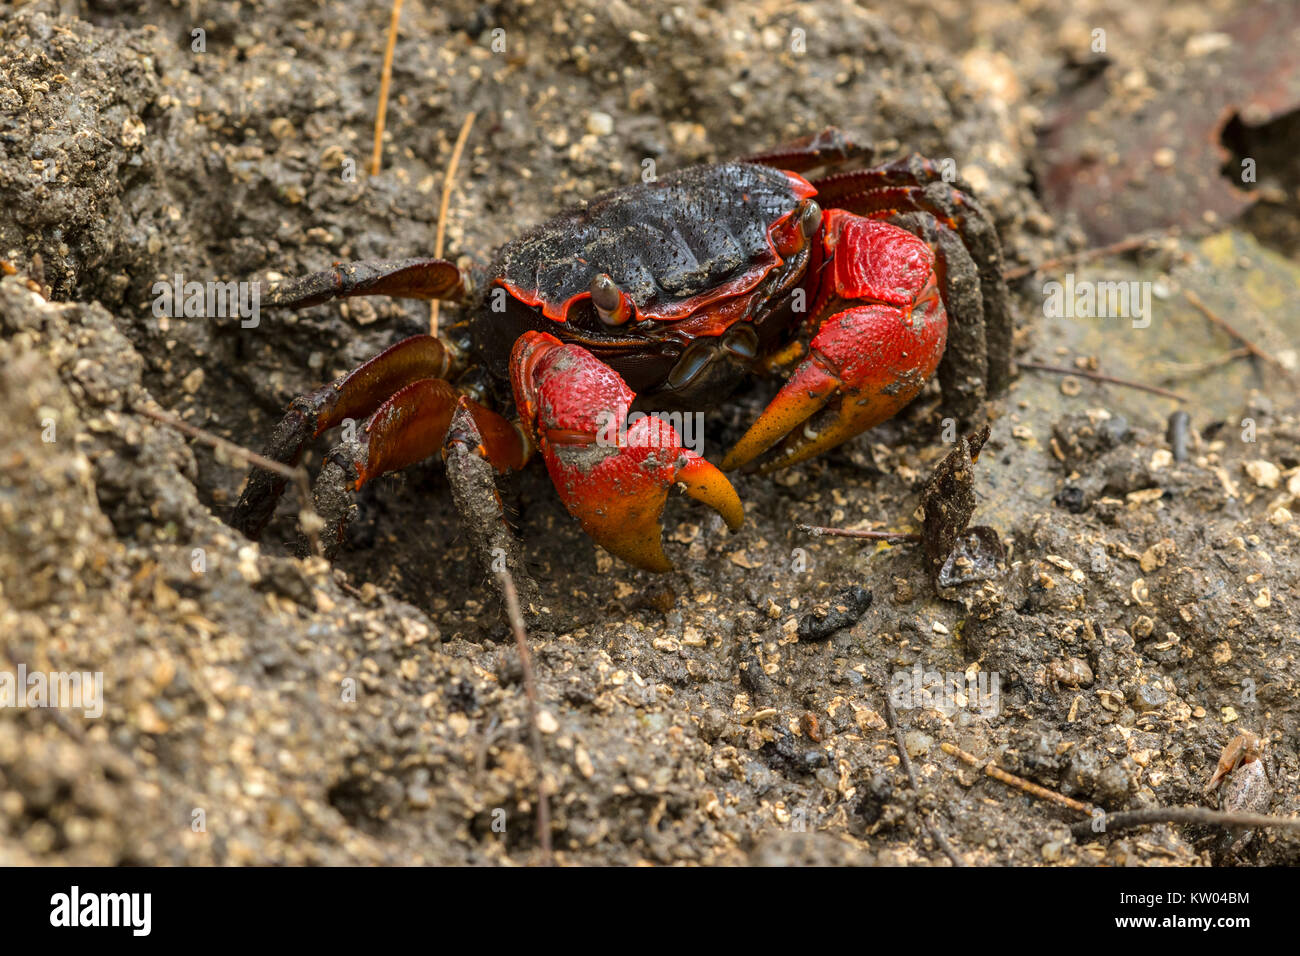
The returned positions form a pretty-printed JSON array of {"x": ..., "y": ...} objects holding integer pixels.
[
  {"x": 615, "y": 484},
  {"x": 412, "y": 425},
  {"x": 965, "y": 385},
  {"x": 401, "y": 278},
  {"x": 828, "y": 148},
  {"x": 917, "y": 185},
  {"x": 474, "y": 490},
  {"x": 355, "y": 396},
  {"x": 867, "y": 360},
  {"x": 409, "y": 407},
  {"x": 409, "y": 427}
]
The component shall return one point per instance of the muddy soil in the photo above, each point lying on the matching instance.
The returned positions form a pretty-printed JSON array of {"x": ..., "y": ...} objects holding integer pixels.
[{"x": 263, "y": 707}]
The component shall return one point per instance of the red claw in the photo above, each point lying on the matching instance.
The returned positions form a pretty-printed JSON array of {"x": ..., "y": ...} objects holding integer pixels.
[
  {"x": 615, "y": 484},
  {"x": 867, "y": 360}
]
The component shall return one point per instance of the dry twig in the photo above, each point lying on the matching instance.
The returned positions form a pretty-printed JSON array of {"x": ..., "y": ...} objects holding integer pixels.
[
  {"x": 819, "y": 531},
  {"x": 438, "y": 237},
  {"x": 297, "y": 475},
  {"x": 1222, "y": 323},
  {"x": 1173, "y": 370},
  {"x": 1011, "y": 780},
  {"x": 1083, "y": 255},
  {"x": 931, "y": 826},
  {"x": 382, "y": 112},
  {"x": 1127, "y": 819},
  {"x": 1194, "y": 815},
  {"x": 511, "y": 595},
  {"x": 1108, "y": 379}
]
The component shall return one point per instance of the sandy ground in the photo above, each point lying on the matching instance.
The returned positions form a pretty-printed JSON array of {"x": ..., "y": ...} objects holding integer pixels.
[{"x": 260, "y": 707}]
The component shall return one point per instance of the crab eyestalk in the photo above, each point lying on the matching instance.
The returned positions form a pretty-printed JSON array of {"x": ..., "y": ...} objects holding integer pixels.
[
  {"x": 612, "y": 304},
  {"x": 810, "y": 219}
]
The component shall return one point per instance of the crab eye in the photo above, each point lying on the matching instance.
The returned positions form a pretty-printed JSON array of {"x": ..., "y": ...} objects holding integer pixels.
[
  {"x": 811, "y": 219},
  {"x": 611, "y": 304}
]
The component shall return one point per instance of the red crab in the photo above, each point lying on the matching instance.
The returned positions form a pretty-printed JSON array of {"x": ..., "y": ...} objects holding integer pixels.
[{"x": 664, "y": 296}]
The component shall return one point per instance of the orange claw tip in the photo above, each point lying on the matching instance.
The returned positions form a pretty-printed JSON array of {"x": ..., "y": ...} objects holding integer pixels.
[
  {"x": 631, "y": 532},
  {"x": 863, "y": 366},
  {"x": 631, "y": 529},
  {"x": 650, "y": 559},
  {"x": 706, "y": 484},
  {"x": 805, "y": 394},
  {"x": 642, "y": 548}
]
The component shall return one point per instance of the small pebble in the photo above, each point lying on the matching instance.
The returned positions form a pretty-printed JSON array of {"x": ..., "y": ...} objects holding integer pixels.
[
  {"x": 917, "y": 743},
  {"x": 1264, "y": 474}
]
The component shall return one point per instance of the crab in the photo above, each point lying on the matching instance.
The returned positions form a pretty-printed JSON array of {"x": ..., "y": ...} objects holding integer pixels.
[
  {"x": 1069, "y": 672},
  {"x": 1242, "y": 749},
  {"x": 663, "y": 296}
]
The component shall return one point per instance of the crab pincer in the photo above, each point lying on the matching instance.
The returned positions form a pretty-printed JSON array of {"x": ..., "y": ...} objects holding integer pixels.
[
  {"x": 614, "y": 480},
  {"x": 882, "y": 340}
]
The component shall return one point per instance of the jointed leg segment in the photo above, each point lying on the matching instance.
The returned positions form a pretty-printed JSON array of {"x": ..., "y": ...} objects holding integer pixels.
[{"x": 357, "y": 395}]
